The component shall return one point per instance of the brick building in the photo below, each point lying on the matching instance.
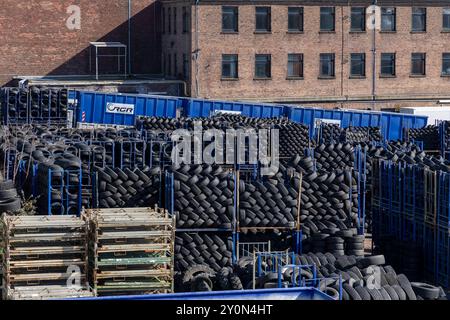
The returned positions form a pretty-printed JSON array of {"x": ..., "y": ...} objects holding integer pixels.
[
  {"x": 40, "y": 38},
  {"x": 320, "y": 52}
]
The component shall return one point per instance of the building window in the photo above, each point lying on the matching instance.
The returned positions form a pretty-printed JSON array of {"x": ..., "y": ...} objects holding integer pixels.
[
  {"x": 327, "y": 65},
  {"x": 230, "y": 19},
  {"x": 175, "y": 20},
  {"x": 169, "y": 16},
  {"x": 419, "y": 19},
  {"x": 175, "y": 65},
  {"x": 169, "y": 65},
  {"x": 418, "y": 64},
  {"x": 295, "y": 65},
  {"x": 358, "y": 65},
  {"x": 446, "y": 64},
  {"x": 446, "y": 19},
  {"x": 185, "y": 66},
  {"x": 295, "y": 19},
  {"x": 358, "y": 19},
  {"x": 327, "y": 19},
  {"x": 230, "y": 66},
  {"x": 388, "y": 64},
  {"x": 388, "y": 20},
  {"x": 263, "y": 23},
  {"x": 163, "y": 20},
  {"x": 186, "y": 22},
  {"x": 262, "y": 66}
]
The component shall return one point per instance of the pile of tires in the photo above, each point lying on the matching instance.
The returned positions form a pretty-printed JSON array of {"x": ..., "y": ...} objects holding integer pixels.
[
  {"x": 330, "y": 133},
  {"x": 331, "y": 156},
  {"x": 357, "y": 135},
  {"x": 48, "y": 104},
  {"x": 15, "y": 105},
  {"x": 203, "y": 196},
  {"x": 203, "y": 248},
  {"x": 271, "y": 202},
  {"x": 128, "y": 188},
  {"x": 9, "y": 199},
  {"x": 428, "y": 135},
  {"x": 294, "y": 139},
  {"x": 336, "y": 241}
]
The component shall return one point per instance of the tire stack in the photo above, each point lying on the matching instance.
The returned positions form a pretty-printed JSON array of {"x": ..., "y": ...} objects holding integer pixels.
[
  {"x": 357, "y": 135},
  {"x": 429, "y": 135},
  {"x": 294, "y": 139},
  {"x": 128, "y": 188},
  {"x": 331, "y": 156},
  {"x": 204, "y": 197},
  {"x": 9, "y": 199},
  {"x": 48, "y": 105},
  {"x": 203, "y": 248},
  {"x": 130, "y": 152},
  {"x": 367, "y": 278},
  {"x": 15, "y": 106},
  {"x": 330, "y": 133},
  {"x": 268, "y": 203}
]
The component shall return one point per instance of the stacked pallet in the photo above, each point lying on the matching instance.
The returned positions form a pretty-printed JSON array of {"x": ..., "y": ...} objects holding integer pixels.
[
  {"x": 131, "y": 250},
  {"x": 44, "y": 257}
]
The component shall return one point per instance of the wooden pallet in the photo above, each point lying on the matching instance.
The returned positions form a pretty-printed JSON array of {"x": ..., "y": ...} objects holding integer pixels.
[
  {"x": 131, "y": 250},
  {"x": 40, "y": 255}
]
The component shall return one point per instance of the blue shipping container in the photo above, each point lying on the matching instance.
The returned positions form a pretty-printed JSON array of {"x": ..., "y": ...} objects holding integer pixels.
[
  {"x": 204, "y": 108},
  {"x": 122, "y": 109},
  {"x": 391, "y": 124},
  {"x": 106, "y": 108}
]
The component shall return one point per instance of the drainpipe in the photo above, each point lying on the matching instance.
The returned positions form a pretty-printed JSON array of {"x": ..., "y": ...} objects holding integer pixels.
[
  {"x": 374, "y": 57},
  {"x": 129, "y": 37},
  {"x": 197, "y": 50}
]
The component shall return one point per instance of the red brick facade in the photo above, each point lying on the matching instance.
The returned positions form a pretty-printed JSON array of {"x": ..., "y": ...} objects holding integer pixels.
[
  {"x": 35, "y": 39},
  {"x": 210, "y": 43}
]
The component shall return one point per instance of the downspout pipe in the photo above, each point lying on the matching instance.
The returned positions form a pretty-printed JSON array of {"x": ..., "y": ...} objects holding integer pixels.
[{"x": 129, "y": 37}]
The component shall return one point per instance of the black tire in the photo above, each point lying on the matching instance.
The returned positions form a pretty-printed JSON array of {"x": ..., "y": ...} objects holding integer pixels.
[
  {"x": 10, "y": 205},
  {"x": 400, "y": 292},
  {"x": 426, "y": 291},
  {"x": 392, "y": 293},
  {"x": 351, "y": 292},
  {"x": 236, "y": 283},
  {"x": 406, "y": 286},
  {"x": 363, "y": 293}
]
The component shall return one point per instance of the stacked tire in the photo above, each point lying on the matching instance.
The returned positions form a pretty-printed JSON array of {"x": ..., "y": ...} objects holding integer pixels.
[
  {"x": 128, "y": 188},
  {"x": 9, "y": 199},
  {"x": 203, "y": 248}
]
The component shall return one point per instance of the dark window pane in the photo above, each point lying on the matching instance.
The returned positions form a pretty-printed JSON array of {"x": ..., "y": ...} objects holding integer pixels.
[
  {"x": 262, "y": 66},
  {"x": 230, "y": 19},
  {"x": 295, "y": 65},
  {"x": 163, "y": 20},
  {"x": 186, "y": 22},
  {"x": 327, "y": 18},
  {"x": 418, "y": 63},
  {"x": 358, "y": 64},
  {"x": 446, "y": 63},
  {"x": 446, "y": 19},
  {"x": 388, "y": 64},
  {"x": 327, "y": 64},
  {"x": 169, "y": 16},
  {"x": 388, "y": 22},
  {"x": 358, "y": 19},
  {"x": 263, "y": 22},
  {"x": 419, "y": 16},
  {"x": 295, "y": 19},
  {"x": 175, "y": 20},
  {"x": 230, "y": 66},
  {"x": 186, "y": 66}
]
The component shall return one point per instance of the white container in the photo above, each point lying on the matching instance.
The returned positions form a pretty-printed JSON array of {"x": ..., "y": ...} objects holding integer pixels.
[{"x": 433, "y": 113}]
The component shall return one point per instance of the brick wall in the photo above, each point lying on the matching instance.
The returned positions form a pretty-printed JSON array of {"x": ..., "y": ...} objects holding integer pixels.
[
  {"x": 212, "y": 44},
  {"x": 36, "y": 41}
]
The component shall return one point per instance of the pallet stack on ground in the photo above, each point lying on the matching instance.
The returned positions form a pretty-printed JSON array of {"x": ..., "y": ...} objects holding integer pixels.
[
  {"x": 45, "y": 257},
  {"x": 131, "y": 250}
]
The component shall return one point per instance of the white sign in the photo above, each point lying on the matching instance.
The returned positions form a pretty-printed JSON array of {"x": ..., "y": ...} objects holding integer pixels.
[
  {"x": 317, "y": 122},
  {"x": 121, "y": 108}
]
